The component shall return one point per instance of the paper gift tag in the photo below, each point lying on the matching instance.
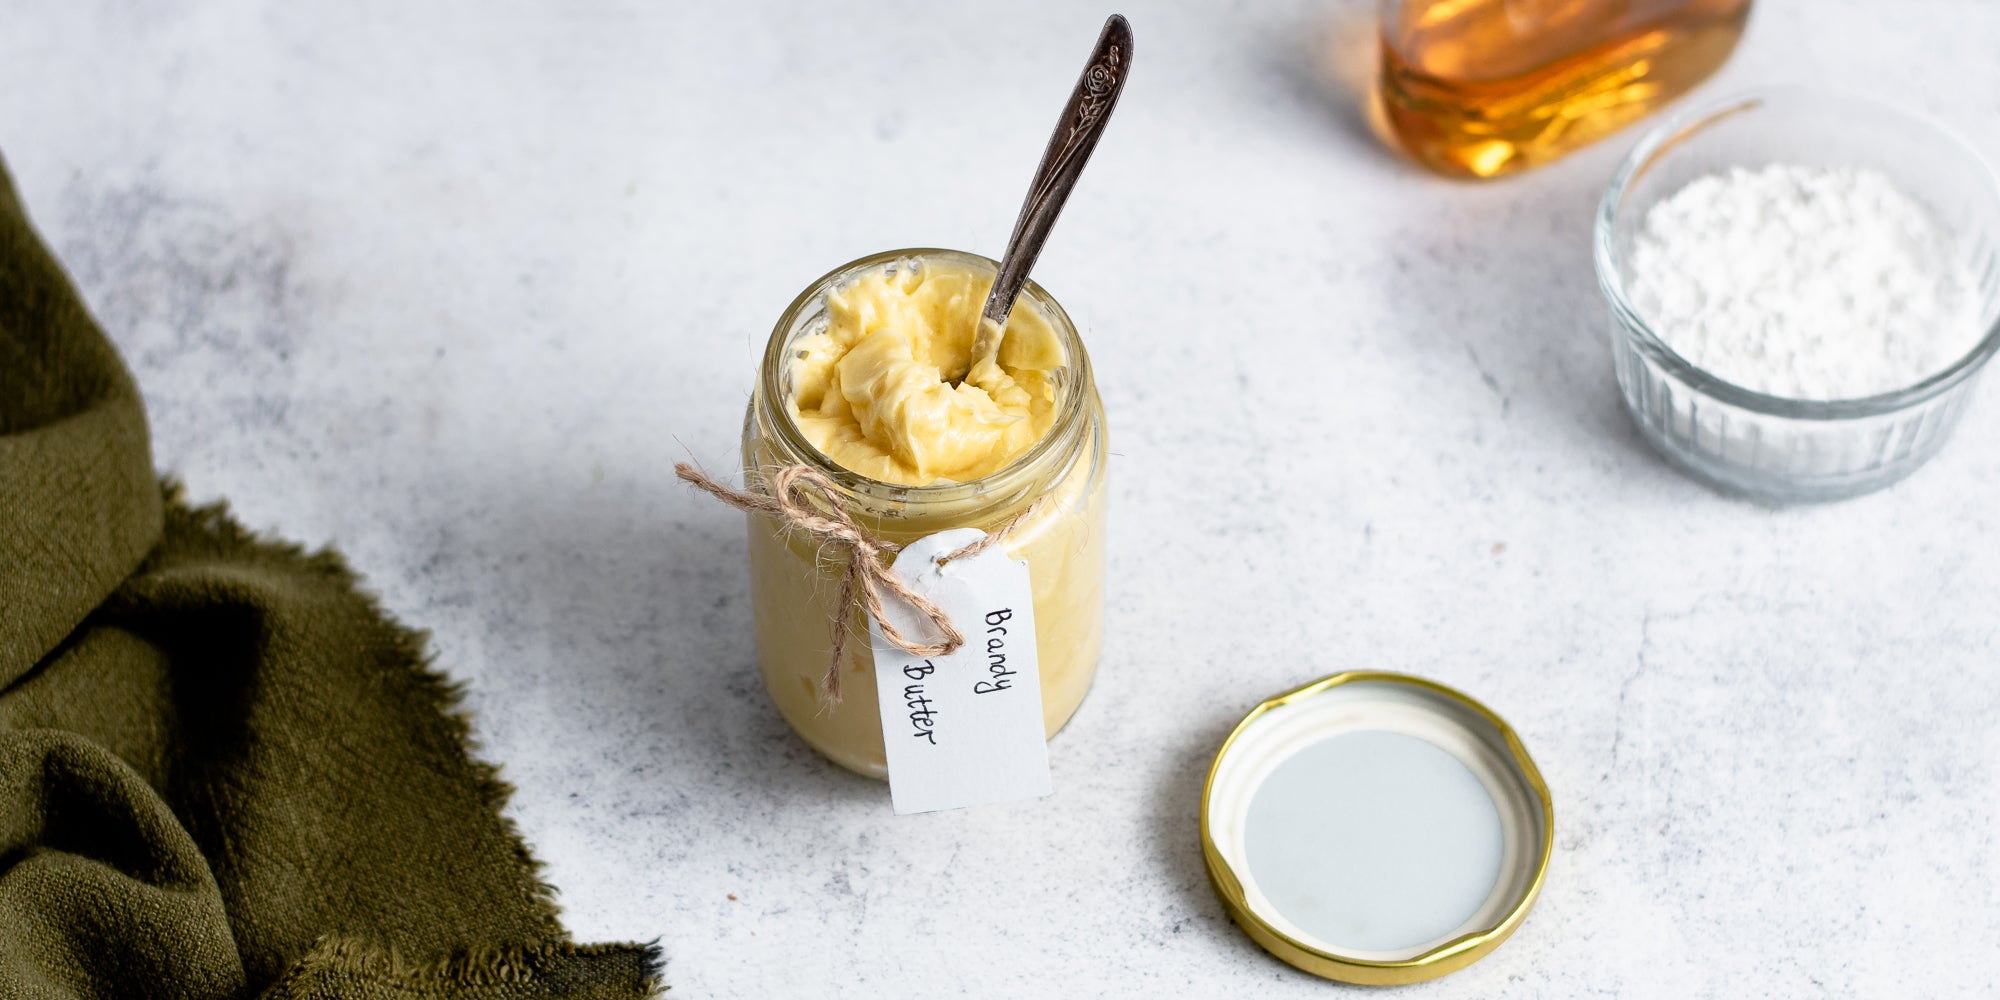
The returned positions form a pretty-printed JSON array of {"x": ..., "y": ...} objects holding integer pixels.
[{"x": 963, "y": 729}]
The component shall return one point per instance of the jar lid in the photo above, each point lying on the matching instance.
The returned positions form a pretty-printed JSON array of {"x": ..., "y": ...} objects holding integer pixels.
[{"x": 1376, "y": 828}]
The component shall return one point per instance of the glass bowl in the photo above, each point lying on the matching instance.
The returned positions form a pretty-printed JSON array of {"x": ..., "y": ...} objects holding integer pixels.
[{"x": 1770, "y": 447}]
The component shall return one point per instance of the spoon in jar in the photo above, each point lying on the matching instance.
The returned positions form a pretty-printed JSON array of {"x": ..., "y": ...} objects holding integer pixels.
[{"x": 1076, "y": 135}]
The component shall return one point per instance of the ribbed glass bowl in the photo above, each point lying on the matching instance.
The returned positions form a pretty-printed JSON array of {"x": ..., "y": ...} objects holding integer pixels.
[{"x": 1769, "y": 447}]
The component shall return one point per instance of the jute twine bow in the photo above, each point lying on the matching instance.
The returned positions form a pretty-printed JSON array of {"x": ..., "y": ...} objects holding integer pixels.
[{"x": 867, "y": 576}]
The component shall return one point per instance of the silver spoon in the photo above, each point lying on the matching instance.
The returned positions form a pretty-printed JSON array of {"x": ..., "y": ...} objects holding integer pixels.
[{"x": 1076, "y": 134}]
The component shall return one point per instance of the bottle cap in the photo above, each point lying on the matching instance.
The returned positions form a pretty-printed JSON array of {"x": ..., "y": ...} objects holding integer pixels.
[{"x": 1376, "y": 828}]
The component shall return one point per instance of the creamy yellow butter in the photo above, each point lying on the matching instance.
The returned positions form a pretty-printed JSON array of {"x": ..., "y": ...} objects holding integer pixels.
[
  {"x": 794, "y": 599},
  {"x": 872, "y": 390}
]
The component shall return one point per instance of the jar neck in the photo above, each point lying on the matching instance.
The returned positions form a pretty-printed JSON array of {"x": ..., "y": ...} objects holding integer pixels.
[{"x": 900, "y": 510}]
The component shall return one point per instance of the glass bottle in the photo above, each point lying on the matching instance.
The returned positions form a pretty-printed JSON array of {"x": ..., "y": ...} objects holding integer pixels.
[
  {"x": 1481, "y": 88},
  {"x": 794, "y": 586}
]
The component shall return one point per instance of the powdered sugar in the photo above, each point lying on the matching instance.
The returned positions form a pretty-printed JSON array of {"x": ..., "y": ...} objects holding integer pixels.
[{"x": 1804, "y": 282}]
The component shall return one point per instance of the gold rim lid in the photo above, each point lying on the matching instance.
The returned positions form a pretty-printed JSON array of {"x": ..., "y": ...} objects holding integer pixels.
[{"x": 1376, "y": 828}]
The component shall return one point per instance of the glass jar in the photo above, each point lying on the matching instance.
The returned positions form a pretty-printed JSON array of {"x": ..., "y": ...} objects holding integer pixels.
[
  {"x": 794, "y": 586},
  {"x": 1480, "y": 88}
]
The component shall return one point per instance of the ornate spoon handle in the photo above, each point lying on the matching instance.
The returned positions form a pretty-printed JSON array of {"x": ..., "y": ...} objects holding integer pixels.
[{"x": 1076, "y": 134}]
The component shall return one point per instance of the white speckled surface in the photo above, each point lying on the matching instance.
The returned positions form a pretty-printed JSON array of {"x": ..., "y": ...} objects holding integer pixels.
[{"x": 452, "y": 285}]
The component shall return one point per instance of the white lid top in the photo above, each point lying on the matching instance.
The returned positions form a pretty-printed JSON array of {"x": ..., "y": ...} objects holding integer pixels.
[{"x": 1376, "y": 828}]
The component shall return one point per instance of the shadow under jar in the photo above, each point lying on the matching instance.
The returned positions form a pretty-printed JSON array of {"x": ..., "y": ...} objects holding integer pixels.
[{"x": 795, "y": 586}]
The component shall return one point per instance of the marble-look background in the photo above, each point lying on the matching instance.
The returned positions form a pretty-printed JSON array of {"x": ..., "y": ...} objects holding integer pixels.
[{"x": 451, "y": 285}]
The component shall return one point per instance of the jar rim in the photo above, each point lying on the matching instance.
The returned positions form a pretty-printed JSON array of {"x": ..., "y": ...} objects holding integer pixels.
[{"x": 1066, "y": 433}]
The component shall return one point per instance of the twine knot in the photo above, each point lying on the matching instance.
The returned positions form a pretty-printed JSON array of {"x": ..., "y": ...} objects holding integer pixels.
[{"x": 867, "y": 577}]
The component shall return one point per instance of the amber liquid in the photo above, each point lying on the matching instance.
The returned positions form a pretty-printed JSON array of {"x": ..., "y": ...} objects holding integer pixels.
[{"x": 1482, "y": 88}]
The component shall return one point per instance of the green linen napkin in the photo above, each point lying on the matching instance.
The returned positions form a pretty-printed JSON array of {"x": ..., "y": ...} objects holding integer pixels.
[{"x": 224, "y": 772}]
